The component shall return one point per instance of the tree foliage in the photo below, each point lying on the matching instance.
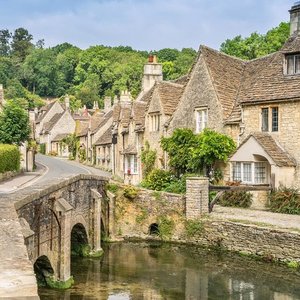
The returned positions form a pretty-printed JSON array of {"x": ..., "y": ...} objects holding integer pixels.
[
  {"x": 257, "y": 45},
  {"x": 189, "y": 152},
  {"x": 14, "y": 124}
]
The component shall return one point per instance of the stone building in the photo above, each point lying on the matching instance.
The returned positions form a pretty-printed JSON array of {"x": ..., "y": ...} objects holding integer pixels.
[
  {"x": 160, "y": 107},
  {"x": 129, "y": 126},
  {"x": 54, "y": 123},
  {"x": 270, "y": 119}
]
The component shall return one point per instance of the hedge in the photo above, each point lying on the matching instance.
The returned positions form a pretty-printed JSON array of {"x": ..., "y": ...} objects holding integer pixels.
[{"x": 9, "y": 158}]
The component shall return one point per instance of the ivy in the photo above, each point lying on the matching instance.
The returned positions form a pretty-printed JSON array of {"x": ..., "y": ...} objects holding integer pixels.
[{"x": 148, "y": 158}]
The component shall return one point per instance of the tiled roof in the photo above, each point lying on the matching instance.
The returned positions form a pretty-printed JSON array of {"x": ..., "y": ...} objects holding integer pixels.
[
  {"x": 49, "y": 125},
  {"x": 226, "y": 73},
  {"x": 105, "y": 138},
  {"x": 273, "y": 149},
  {"x": 125, "y": 115},
  {"x": 182, "y": 80},
  {"x": 169, "y": 94},
  {"x": 104, "y": 119},
  {"x": 131, "y": 149},
  {"x": 82, "y": 129},
  {"x": 44, "y": 109},
  {"x": 96, "y": 119},
  {"x": 138, "y": 112},
  {"x": 116, "y": 112},
  {"x": 60, "y": 137}
]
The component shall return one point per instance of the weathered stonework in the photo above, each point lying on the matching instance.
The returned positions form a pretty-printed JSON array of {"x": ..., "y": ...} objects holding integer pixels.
[{"x": 197, "y": 195}]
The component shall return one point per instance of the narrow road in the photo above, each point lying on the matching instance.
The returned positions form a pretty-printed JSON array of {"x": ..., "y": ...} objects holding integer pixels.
[
  {"x": 49, "y": 169},
  {"x": 60, "y": 168}
]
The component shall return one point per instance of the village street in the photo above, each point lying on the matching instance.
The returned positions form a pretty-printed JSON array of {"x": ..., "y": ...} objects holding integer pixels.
[{"x": 48, "y": 168}]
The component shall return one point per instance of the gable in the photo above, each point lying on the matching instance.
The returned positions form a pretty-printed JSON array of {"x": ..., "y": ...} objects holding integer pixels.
[
  {"x": 154, "y": 104},
  {"x": 248, "y": 150},
  {"x": 199, "y": 92}
]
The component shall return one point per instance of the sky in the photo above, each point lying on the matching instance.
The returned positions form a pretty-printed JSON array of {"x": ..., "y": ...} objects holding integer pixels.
[{"x": 142, "y": 24}]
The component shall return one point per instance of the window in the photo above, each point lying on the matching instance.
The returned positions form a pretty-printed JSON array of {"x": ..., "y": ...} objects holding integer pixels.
[
  {"x": 293, "y": 64},
  {"x": 201, "y": 119},
  {"x": 268, "y": 119},
  {"x": 265, "y": 119},
  {"x": 250, "y": 172},
  {"x": 131, "y": 164},
  {"x": 155, "y": 122}
]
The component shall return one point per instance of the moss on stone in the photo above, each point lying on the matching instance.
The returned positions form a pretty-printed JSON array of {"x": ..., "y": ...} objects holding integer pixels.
[{"x": 57, "y": 284}]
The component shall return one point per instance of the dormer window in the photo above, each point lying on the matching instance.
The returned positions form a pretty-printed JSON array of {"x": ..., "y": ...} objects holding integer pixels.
[{"x": 293, "y": 64}]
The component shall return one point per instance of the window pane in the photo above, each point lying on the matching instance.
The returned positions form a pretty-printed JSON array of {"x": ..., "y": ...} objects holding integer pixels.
[
  {"x": 260, "y": 172},
  {"x": 290, "y": 64},
  {"x": 274, "y": 118},
  {"x": 135, "y": 169},
  {"x": 247, "y": 172},
  {"x": 297, "y": 63},
  {"x": 204, "y": 118},
  {"x": 265, "y": 119},
  {"x": 199, "y": 121},
  {"x": 236, "y": 171}
]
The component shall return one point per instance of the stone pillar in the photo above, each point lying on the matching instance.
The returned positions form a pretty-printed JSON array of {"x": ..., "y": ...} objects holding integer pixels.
[
  {"x": 64, "y": 210},
  {"x": 97, "y": 197},
  {"x": 30, "y": 160},
  {"x": 111, "y": 213},
  {"x": 197, "y": 194}
]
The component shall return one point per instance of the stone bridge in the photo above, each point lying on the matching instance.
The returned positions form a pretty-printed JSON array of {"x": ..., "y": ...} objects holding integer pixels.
[{"x": 56, "y": 215}]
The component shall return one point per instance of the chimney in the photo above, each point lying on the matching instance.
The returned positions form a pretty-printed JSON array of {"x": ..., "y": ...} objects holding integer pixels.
[
  {"x": 67, "y": 102},
  {"x": 107, "y": 104},
  {"x": 125, "y": 97},
  {"x": 116, "y": 100},
  {"x": 152, "y": 73},
  {"x": 96, "y": 106},
  {"x": 295, "y": 18}
]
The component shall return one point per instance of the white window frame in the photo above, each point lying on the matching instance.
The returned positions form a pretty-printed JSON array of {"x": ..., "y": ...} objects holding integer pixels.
[
  {"x": 201, "y": 119},
  {"x": 295, "y": 71},
  {"x": 131, "y": 163},
  {"x": 154, "y": 122},
  {"x": 252, "y": 171}
]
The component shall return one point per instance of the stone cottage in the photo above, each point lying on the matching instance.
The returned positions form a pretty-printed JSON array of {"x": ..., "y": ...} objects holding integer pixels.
[
  {"x": 160, "y": 108},
  {"x": 52, "y": 130},
  {"x": 270, "y": 121}
]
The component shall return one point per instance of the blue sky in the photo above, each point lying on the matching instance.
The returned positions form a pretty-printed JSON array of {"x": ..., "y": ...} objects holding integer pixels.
[{"x": 142, "y": 24}]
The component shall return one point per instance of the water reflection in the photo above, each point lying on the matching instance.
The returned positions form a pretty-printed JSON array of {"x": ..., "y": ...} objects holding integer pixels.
[{"x": 153, "y": 272}]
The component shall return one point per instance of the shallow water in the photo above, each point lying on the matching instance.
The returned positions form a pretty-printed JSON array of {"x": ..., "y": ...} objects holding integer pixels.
[{"x": 163, "y": 271}]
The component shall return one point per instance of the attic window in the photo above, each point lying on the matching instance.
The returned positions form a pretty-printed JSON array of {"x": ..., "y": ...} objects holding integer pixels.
[{"x": 293, "y": 64}]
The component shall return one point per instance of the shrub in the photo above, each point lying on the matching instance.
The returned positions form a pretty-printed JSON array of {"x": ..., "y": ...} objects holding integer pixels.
[
  {"x": 165, "y": 227},
  {"x": 130, "y": 192},
  {"x": 42, "y": 148},
  {"x": 285, "y": 200},
  {"x": 148, "y": 158},
  {"x": 194, "y": 227},
  {"x": 158, "y": 180},
  {"x": 236, "y": 199},
  {"x": 112, "y": 187},
  {"x": 9, "y": 158}
]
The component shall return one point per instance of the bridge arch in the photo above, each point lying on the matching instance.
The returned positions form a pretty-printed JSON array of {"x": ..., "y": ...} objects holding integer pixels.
[
  {"x": 79, "y": 240},
  {"x": 43, "y": 270}
]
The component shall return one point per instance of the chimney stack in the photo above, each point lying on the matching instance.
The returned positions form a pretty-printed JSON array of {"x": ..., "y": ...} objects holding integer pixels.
[
  {"x": 152, "y": 73},
  {"x": 67, "y": 102},
  {"x": 295, "y": 18},
  {"x": 107, "y": 104}
]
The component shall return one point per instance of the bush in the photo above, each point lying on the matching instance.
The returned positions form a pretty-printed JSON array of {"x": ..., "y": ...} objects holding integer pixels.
[
  {"x": 42, "y": 148},
  {"x": 130, "y": 192},
  {"x": 158, "y": 180},
  {"x": 285, "y": 200},
  {"x": 112, "y": 187},
  {"x": 165, "y": 227},
  {"x": 9, "y": 158},
  {"x": 236, "y": 199},
  {"x": 194, "y": 228}
]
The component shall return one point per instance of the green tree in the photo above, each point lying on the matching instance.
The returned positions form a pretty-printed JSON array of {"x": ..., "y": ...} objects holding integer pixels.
[
  {"x": 5, "y": 37},
  {"x": 257, "y": 45},
  {"x": 178, "y": 147},
  {"x": 211, "y": 147},
  {"x": 14, "y": 124},
  {"x": 21, "y": 43},
  {"x": 189, "y": 152}
]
